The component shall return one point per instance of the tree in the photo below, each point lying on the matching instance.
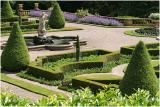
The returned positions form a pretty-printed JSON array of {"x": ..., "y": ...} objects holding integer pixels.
[
  {"x": 56, "y": 19},
  {"x": 139, "y": 73},
  {"x": 6, "y": 10},
  {"x": 15, "y": 55},
  {"x": 77, "y": 49}
]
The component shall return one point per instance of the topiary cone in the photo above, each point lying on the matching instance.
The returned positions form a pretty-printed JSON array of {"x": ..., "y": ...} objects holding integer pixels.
[
  {"x": 15, "y": 55},
  {"x": 56, "y": 19},
  {"x": 139, "y": 73},
  {"x": 6, "y": 10}
]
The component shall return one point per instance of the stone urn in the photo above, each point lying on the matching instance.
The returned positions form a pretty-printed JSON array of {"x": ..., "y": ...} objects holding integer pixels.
[
  {"x": 155, "y": 23},
  {"x": 36, "y": 6}
]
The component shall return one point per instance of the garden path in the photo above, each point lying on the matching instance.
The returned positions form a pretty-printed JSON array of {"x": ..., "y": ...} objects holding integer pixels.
[
  {"x": 19, "y": 91},
  {"x": 54, "y": 88}
]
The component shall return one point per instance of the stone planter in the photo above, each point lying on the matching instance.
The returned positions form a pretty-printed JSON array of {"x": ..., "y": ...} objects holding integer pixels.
[{"x": 155, "y": 23}]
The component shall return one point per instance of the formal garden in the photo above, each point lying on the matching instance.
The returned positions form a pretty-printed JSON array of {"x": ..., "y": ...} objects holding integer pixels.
[{"x": 68, "y": 53}]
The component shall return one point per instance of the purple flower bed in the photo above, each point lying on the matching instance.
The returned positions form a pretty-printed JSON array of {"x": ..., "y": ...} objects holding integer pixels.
[
  {"x": 100, "y": 20},
  {"x": 71, "y": 17}
]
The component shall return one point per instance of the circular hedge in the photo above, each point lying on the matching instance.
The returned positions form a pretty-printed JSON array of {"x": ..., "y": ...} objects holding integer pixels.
[{"x": 15, "y": 55}]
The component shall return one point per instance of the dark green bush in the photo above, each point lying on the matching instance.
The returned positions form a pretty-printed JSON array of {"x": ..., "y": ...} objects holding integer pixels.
[
  {"x": 12, "y": 19},
  {"x": 56, "y": 19},
  {"x": 139, "y": 73},
  {"x": 6, "y": 10},
  {"x": 15, "y": 55}
]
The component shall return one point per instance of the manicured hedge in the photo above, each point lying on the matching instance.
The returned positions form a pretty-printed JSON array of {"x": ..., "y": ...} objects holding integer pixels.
[
  {"x": 95, "y": 83},
  {"x": 15, "y": 18},
  {"x": 52, "y": 58},
  {"x": 44, "y": 73},
  {"x": 36, "y": 67},
  {"x": 81, "y": 65},
  {"x": 127, "y": 50},
  {"x": 33, "y": 26}
]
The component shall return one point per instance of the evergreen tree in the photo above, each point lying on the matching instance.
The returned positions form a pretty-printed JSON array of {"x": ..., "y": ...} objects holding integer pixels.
[
  {"x": 56, "y": 19},
  {"x": 77, "y": 49},
  {"x": 6, "y": 11},
  {"x": 139, "y": 73},
  {"x": 15, "y": 55}
]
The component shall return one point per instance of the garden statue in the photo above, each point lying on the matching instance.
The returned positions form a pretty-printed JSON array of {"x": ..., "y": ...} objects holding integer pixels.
[{"x": 42, "y": 24}]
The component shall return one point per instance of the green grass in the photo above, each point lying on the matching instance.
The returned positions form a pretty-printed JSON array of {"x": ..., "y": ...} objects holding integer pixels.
[
  {"x": 28, "y": 86},
  {"x": 30, "y": 31},
  {"x": 133, "y": 33}
]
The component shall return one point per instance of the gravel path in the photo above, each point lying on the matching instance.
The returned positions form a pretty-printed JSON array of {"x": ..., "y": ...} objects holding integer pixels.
[{"x": 19, "y": 91}]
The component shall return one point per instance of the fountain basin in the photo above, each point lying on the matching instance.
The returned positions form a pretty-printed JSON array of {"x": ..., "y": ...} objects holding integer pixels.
[{"x": 59, "y": 43}]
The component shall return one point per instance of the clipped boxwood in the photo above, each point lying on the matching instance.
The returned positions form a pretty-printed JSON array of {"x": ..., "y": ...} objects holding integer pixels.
[
  {"x": 127, "y": 50},
  {"x": 96, "y": 81},
  {"x": 15, "y": 56},
  {"x": 44, "y": 73},
  {"x": 139, "y": 73},
  {"x": 56, "y": 19},
  {"x": 12, "y": 19},
  {"x": 37, "y": 70},
  {"x": 32, "y": 26}
]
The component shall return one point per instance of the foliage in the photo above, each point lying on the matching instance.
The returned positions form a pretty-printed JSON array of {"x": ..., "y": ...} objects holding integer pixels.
[
  {"x": 10, "y": 99},
  {"x": 15, "y": 56},
  {"x": 139, "y": 73},
  {"x": 56, "y": 19},
  {"x": 82, "y": 12},
  {"x": 84, "y": 97},
  {"x": 148, "y": 31},
  {"x": 77, "y": 49},
  {"x": 154, "y": 16},
  {"x": 6, "y": 10}
]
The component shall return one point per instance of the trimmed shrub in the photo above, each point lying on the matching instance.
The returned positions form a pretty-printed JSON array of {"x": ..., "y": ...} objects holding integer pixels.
[
  {"x": 6, "y": 10},
  {"x": 44, "y": 73},
  {"x": 139, "y": 73},
  {"x": 56, "y": 19},
  {"x": 15, "y": 55}
]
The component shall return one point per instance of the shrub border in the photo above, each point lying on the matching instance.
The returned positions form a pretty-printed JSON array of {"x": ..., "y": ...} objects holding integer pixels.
[{"x": 127, "y": 50}]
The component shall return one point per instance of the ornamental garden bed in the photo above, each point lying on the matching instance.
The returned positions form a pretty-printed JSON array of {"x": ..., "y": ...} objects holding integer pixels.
[
  {"x": 63, "y": 71},
  {"x": 144, "y": 32}
]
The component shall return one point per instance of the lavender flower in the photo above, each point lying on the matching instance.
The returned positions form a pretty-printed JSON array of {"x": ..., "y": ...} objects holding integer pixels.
[
  {"x": 37, "y": 13},
  {"x": 70, "y": 17},
  {"x": 100, "y": 21}
]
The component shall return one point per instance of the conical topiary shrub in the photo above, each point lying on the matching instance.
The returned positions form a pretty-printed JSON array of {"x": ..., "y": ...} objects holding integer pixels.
[
  {"x": 139, "y": 73},
  {"x": 6, "y": 11},
  {"x": 15, "y": 55},
  {"x": 56, "y": 19}
]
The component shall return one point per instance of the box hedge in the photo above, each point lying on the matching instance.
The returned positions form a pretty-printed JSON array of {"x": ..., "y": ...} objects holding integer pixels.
[
  {"x": 6, "y": 11},
  {"x": 127, "y": 50}
]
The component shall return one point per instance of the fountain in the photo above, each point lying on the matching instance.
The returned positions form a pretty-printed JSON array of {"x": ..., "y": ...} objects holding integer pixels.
[{"x": 42, "y": 41}]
